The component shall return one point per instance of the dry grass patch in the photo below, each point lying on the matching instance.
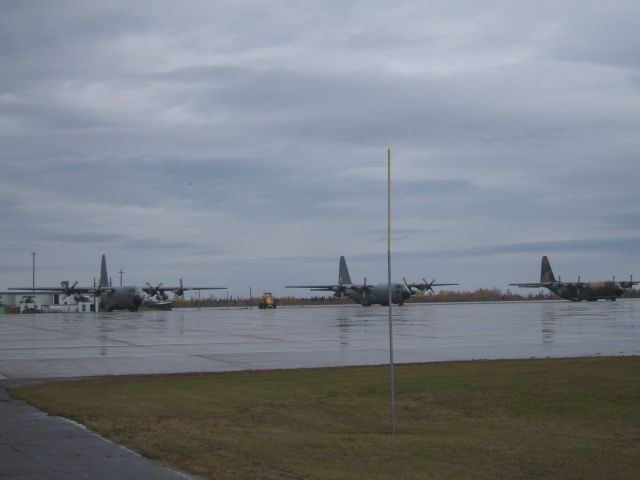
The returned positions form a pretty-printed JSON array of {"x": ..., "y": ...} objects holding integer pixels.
[{"x": 564, "y": 419}]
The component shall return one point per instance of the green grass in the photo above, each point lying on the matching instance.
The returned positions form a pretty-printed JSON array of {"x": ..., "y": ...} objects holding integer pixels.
[{"x": 533, "y": 419}]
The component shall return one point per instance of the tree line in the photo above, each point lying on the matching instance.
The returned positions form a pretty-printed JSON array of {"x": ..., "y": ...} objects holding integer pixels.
[{"x": 478, "y": 295}]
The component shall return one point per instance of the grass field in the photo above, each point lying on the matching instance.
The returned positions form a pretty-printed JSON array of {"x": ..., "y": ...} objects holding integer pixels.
[{"x": 530, "y": 419}]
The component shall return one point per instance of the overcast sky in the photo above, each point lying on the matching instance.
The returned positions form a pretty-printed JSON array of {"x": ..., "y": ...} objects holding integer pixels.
[{"x": 243, "y": 143}]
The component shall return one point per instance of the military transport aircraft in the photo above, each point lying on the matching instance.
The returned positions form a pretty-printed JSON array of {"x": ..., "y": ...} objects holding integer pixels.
[
  {"x": 578, "y": 291},
  {"x": 367, "y": 295},
  {"x": 118, "y": 298}
]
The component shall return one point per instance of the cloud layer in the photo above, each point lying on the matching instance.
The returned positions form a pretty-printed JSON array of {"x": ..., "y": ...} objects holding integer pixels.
[{"x": 244, "y": 143}]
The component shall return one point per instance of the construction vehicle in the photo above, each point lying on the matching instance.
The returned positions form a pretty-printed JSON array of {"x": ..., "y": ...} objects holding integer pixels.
[{"x": 267, "y": 301}]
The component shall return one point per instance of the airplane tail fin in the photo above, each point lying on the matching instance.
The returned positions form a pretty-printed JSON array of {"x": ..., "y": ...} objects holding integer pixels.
[
  {"x": 343, "y": 275},
  {"x": 104, "y": 278},
  {"x": 546, "y": 274}
]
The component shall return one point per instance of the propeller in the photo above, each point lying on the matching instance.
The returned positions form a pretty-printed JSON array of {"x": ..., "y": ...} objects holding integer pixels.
[
  {"x": 579, "y": 286},
  {"x": 70, "y": 291},
  {"x": 411, "y": 289},
  {"x": 624, "y": 284},
  {"x": 427, "y": 285},
  {"x": 180, "y": 291},
  {"x": 362, "y": 289},
  {"x": 157, "y": 291}
]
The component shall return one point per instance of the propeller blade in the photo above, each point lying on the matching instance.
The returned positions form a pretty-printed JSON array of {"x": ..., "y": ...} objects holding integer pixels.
[
  {"x": 410, "y": 288},
  {"x": 180, "y": 291},
  {"x": 427, "y": 285}
]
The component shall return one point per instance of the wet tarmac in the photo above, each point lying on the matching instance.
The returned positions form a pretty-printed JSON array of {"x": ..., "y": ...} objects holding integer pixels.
[
  {"x": 37, "y": 446},
  {"x": 44, "y": 346},
  {"x": 41, "y": 347}
]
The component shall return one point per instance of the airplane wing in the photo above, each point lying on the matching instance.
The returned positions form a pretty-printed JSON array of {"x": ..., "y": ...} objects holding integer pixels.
[
  {"x": 425, "y": 286},
  {"x": 199, "y": 288},
  {"x": 72, "y": 290},
  {"x": 338, "y": 289},
  {"x": 323, "y": 288},
  {"x": 174, "y": 289},
  {"x": 160, "y": 290},
  {"x": 27, "y": 290},
  {"x": 534, "y": 285}
]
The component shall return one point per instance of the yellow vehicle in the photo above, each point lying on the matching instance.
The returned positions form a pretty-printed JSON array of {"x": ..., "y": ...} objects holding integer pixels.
[{"x": 267, "y": 301}]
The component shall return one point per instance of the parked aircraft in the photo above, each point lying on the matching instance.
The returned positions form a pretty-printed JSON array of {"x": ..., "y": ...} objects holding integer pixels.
[
  {"x": 119, "y": 298},
  {"x": 578, "y": 291},
  {"x": 367, "y": 295}
]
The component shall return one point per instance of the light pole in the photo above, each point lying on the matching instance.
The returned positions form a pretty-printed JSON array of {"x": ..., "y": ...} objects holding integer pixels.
[
  {"x": 391, "y": 374},
  {"x": 33, "y": 272}
]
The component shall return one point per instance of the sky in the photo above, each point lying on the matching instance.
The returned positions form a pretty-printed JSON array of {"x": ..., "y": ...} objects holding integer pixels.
[{"x": 244, "y": 143}]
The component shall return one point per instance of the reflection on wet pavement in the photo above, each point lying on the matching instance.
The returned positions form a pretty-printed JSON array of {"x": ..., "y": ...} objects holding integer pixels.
[{"x": 187, "y": 340}]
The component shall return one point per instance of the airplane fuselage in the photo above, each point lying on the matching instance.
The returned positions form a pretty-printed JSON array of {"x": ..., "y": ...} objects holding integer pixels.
[
  {"x": 367, "y": 295},
  {"x": 122, "y": 298},
  {"x": 379, "y": 294},
  {"x": 590, "y": 291},
  {"x": 578, "y": 291}
]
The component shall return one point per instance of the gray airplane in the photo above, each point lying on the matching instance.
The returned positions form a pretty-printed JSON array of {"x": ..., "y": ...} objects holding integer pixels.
[
  {"x": 118, "y": 298},
  {"x": 367, "y": 295},
  {"x": 578, "y": 291}
]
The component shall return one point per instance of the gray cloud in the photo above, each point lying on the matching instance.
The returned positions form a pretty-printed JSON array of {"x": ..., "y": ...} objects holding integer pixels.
[{"x": 172, "y": 136}]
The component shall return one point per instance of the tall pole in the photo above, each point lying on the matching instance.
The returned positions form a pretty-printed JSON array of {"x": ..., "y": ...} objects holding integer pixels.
[
  {"x": 33, "y": 272},
  {"x": 121, "y": 272},
  {"x": 391, "y": 374}
]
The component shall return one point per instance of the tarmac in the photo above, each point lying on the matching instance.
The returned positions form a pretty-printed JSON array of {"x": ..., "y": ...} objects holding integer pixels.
[
  {"x": 35, "y": 446},
  {"x": 48, "y": 347}
]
